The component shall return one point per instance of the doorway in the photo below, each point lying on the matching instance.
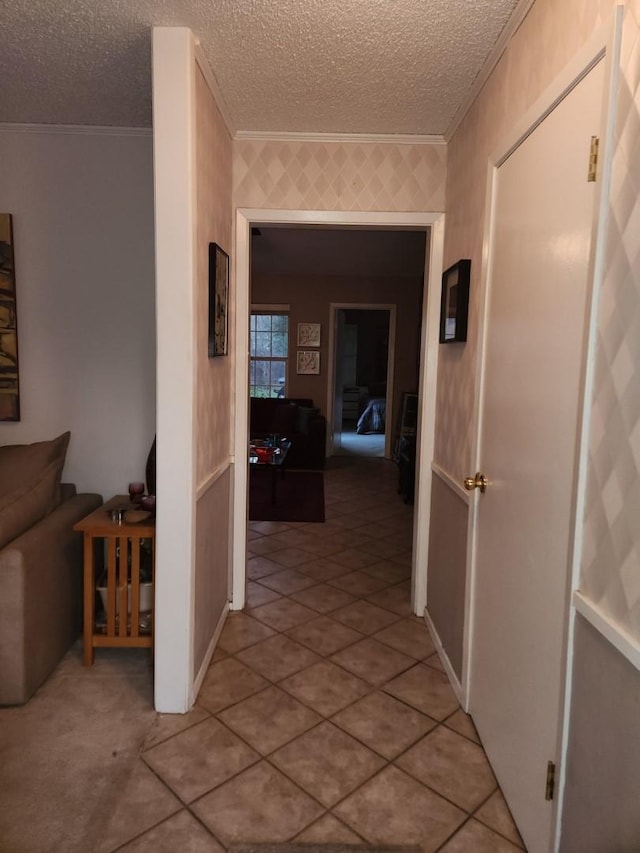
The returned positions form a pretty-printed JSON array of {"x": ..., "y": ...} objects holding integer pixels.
[
  {"x": 433, "y": 223},
  {"x": 360, "y": 395}
]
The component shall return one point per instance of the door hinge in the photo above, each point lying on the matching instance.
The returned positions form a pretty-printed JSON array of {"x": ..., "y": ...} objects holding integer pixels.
[
  {"x": 593, "y": 159},
  {"x": 551, "y": 781}
]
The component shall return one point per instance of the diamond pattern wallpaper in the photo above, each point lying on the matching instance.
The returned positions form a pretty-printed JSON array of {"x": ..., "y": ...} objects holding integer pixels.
[
  {"x": 214, "y": 381},
  {"x": 611, "y": 557},
  {"x": 339, "y": 176},
  {"x": 551, "y": 35}
]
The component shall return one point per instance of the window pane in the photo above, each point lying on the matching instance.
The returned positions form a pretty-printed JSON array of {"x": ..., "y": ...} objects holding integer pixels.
[
  {"x": 280, "y": 322},
  {"x": 263, "y": 322},
  {"x": 263, "y": 343},
  {"x": 279, "y": 344}
]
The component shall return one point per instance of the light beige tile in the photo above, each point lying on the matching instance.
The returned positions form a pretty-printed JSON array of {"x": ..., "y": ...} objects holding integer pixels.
[
  {"x": 261, "y": 567},
  {"x": 384, "y": 724},
  {"x": 425, "y": 689},
  {"x": 258, "y": 594},
  {"x": 495, "y": 814},
  {"x": 228, "y": 682},
  {"x": 241, "y": 631},
  {"x": 323, "y": 569},
  {"x": 267, "y": 528},
  {"x": 328, "y": 830},
  {"x": 394, "y": 598},
  {"x": 358, "y": 583},
  {"x": 408, "y": 636},
  {"x": 434, "y": 661},
  {"x": 167, "y": 725},
  {"x": 181, "y": 832},
  {"x": 269, "y": 719},
  {"x": 392, "y": 808},
  {"x": 283, "y": 614},
  {"x": 365, "y": 617},
  {"x": 352, "y": 558},
  {"x": 325, "y": 688},
  {"x": 327, "y": 763},
  {"x": 277, "y": 657},
  {"x": 263, "y": 547},
  {"x": 259, "y": 805},
  {"x": 474, "y": 836},
  {"x": 324, "y": 635},
  {"x": 390, "y": 573},
  {"x": 372, "y": 661},
  {"x": 451, "y": 765},
  {"x": 323, "y": 598},
  {"x": 463, "y": 724},
  {"x": 199, "y": 759},
  {"x": 288, "y": 581},
  {"x": 292, "y": 557}
]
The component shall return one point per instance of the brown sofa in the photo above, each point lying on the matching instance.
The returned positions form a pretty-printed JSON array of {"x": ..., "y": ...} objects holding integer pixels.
[{"x": 40, "y": 565}]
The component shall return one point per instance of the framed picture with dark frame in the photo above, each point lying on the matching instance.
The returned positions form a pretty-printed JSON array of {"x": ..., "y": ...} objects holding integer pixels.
[
  {"x": 454, "y": 307},
  {"x": 218, "y": 301}
]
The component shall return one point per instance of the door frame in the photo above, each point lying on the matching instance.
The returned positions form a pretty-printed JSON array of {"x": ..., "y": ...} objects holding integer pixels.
[
  {"x": 434, "y": 223},
  {"x": 604, "y": 46},
  {"x": 334, "y": 307}
]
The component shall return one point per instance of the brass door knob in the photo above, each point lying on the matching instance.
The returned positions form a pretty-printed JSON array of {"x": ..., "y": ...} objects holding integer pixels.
[{"x": 477, "y": 482}]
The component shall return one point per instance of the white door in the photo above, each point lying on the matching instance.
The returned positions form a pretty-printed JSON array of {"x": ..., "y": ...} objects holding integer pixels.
[{"x": 533, "y": 368}]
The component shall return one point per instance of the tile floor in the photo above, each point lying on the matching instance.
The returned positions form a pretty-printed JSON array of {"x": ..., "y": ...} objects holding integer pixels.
[{"x": 325, "y": 715}]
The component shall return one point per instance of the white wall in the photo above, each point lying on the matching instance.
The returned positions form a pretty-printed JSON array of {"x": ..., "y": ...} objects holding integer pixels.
[{"x": 82, "y": 205}]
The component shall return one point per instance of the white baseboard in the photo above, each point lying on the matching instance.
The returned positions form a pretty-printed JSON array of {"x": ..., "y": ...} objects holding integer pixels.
[
  {"x": 444, "y": 658},
  {"x": 197, "y": 684}
]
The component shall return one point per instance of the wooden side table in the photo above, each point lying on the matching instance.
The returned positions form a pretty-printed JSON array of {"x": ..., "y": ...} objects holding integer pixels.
[{"x": 122, "y": 543}]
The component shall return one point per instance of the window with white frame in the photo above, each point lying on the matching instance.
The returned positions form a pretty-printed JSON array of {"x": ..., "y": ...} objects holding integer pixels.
[{"x": 268, "y": 353}]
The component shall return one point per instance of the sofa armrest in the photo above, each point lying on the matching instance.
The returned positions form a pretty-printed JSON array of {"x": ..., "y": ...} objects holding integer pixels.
[{"x": 40, "y": 598}]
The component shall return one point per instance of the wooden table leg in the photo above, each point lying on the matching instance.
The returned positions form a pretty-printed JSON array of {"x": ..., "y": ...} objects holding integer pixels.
[{"x": 89, "y": 601}]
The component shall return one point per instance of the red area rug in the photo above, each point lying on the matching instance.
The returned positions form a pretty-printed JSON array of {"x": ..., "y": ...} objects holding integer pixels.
[{"x": 299, "y": 495}]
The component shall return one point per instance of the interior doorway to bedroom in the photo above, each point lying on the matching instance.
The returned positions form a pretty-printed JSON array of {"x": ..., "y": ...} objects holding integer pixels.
[{"x": 362, "y": 389}]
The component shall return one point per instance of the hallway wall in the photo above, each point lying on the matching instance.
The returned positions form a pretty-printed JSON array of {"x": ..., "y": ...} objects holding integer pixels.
[
  {"x": 549, "y": 37},
  {"x": 214, "y": 377}
]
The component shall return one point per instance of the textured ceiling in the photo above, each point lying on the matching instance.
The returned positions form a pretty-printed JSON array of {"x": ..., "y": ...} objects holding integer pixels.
[{"x": 316, "y": 66}]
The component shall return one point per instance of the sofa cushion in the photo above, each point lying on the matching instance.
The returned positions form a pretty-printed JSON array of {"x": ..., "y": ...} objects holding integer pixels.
[
  {"x": 284, "y": 419},
  {"x": 22, "y": 464},
  {"x": 304, "y": 417},
  {"x": 30, "y": 502}
]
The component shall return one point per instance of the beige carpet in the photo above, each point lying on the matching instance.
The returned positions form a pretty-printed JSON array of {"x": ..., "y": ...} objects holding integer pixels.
[{"x": 69, "y": 754}]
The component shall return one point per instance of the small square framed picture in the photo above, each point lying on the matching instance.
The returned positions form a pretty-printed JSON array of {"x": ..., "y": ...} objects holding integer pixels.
[
  {"x": 308, "y": 361},
  {"x": 308, "y": 334}
]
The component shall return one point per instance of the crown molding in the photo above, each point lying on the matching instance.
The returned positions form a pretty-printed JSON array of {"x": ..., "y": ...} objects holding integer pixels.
[
  {"x": 517, "y": 17},
  {"x": 212, "y": 83},
  {"x": 380, "y": 138},
  {"x": 75, "y": 129}
]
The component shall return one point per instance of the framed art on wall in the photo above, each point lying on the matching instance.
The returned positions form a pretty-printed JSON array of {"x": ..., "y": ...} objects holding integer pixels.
[
  {"x": 9, "y": 389},
  {"x": 308, "y": 334},
  {"x": 454, "y": 307},
  {"x": 218, "y": 301},
  {"x": 308, "y": 361}
]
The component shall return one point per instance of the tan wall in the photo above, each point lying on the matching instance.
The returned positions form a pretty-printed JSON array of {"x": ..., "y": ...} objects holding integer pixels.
[
  {"x": 214, "y": 377},
  {"x": 309, "y": 298}
]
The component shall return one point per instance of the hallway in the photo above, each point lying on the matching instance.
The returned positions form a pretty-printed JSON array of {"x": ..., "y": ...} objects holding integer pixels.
[{"x": 325, "y": 715}]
